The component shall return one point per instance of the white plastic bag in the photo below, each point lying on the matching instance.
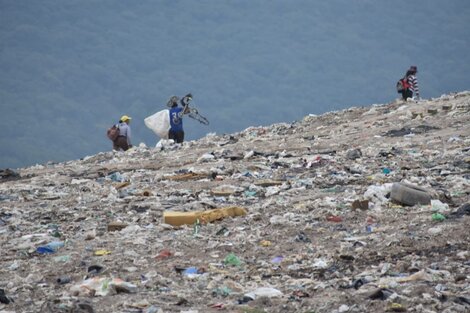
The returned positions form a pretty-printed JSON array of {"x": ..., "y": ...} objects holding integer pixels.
[
  {"x": 438, "y": 206},
  {"x": 164, "y": 144},
  {"x": 377, "y": 194},
  {"x": 264, "y": 292},
  {"x": 101, "y": 286},
  {"x": 159, "y": 123}
]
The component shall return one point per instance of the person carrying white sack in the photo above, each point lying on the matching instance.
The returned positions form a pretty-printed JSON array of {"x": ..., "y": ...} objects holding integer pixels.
[
  {"x": 168, "y": 124},
  {"x": 176, "y": 131}
]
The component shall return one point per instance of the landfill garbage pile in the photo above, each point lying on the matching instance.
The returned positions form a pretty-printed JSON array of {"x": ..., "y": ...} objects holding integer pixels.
[{"x": 360, "y": 210}]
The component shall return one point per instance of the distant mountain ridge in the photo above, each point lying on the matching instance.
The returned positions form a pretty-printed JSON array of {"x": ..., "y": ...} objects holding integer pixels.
[{"x": 70, "y": 69}]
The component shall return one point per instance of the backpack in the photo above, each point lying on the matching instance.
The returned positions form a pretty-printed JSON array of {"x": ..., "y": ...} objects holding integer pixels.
[
  {"x": 402, "y": 84},
  {"x": 113, "y": 132}
]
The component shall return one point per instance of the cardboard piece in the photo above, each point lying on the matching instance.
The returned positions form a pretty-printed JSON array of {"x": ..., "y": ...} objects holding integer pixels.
[
  {"x": 268, "y": 183},
  {"x": 187, "y": 176},
  {"x": 189, "y": 218},
  {"x": 116, "y": 226}
]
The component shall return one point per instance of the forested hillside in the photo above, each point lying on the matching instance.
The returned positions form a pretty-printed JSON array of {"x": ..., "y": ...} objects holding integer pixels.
[{"x": 69, "y": 69}]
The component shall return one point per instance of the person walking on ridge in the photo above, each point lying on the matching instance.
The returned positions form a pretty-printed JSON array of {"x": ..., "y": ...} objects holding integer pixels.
[
  {"x": 412, "y": 84},
  {"x": 176, "y": 131},
  {"x": 123, "y": 141}
]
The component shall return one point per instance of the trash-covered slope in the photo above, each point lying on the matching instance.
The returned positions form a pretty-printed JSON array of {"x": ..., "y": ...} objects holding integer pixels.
[{"x": 361, "y": 210}]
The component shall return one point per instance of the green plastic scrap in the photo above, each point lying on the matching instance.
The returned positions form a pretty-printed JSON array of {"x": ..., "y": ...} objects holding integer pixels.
[
  {"x": 249, "y": 193},
  {"x": 224, "y": 291},
  {"x": 232, "y": 259},
  {"x": 62, "y": 258},
  {"x": 438, "y": 217}
]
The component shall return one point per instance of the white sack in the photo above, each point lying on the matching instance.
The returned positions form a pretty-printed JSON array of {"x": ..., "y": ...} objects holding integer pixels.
[{"x": 159, "y": 123}]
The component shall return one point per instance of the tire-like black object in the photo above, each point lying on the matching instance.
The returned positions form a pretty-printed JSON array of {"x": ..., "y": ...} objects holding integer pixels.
[{"x": 409, "y": 194}]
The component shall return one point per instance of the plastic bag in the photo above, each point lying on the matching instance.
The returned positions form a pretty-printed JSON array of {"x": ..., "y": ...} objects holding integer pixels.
[
  {"x": 232, "y": 259},
  {"x": 264, "y": 292},
  {"x": 50, "y": 248},
  {"x": 377, "y": 194},
  {"x": 102, "y": 287},
  {"x": 438, "y": 206},
  {"x": 159, "y": 123}
]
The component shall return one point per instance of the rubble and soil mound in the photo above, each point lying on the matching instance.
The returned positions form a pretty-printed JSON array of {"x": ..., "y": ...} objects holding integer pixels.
[{"x": 359, "y": 210}]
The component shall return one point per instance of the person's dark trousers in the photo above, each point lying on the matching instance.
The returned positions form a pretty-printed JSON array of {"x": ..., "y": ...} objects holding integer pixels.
[
  {"x": 120, "y": 143},
  {"x": 177, "y": 136},
  {"x": 407, "y": 94}
]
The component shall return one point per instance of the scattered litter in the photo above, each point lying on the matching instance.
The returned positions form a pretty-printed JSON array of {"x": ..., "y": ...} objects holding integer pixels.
[{"x": 358, "y": 210}]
